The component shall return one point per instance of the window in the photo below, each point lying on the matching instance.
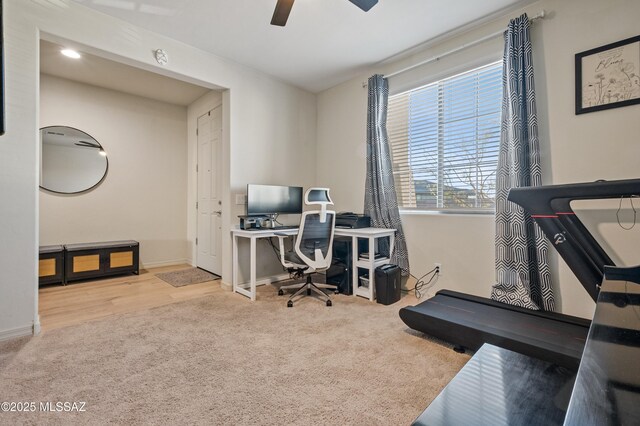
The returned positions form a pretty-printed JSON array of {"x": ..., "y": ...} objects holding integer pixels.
[{"x": 444, "y": 139}]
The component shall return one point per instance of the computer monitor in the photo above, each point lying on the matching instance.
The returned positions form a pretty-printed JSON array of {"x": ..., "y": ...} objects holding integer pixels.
[{"x": 269, "y": 200}]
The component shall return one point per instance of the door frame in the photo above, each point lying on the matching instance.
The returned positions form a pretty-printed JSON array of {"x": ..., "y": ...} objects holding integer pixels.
[{"x": 195, "y": 110}]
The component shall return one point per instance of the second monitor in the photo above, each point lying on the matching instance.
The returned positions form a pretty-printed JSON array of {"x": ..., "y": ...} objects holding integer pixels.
[{"x": 270, "y": 200}]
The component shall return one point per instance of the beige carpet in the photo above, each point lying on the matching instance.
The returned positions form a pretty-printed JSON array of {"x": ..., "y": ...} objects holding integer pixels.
[
  {"x": 188, "y": 276},
  {"x": 221, "y": 359}
]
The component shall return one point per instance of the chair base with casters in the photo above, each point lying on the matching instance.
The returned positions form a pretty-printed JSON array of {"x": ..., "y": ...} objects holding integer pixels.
[{"x": 308, "y": 286}]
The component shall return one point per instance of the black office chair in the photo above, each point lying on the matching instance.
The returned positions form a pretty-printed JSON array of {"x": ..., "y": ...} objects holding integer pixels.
[{"x": 313, "y": 246}]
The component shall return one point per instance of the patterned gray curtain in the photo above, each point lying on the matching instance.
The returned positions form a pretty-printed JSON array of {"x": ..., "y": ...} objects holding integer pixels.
[
  {"x": 522, "y": 270},
  {"x": 380, "y": 200}
]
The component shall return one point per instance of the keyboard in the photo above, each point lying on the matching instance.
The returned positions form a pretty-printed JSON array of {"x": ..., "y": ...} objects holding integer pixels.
[{"x": 275, "y": 228}]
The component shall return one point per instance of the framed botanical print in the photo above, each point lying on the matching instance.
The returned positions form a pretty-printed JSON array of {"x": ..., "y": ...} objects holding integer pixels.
[{"x": 608, "y": 76}]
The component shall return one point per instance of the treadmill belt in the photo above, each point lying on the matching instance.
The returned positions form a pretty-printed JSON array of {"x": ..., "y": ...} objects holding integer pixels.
[{"x": 470, "y": 321}]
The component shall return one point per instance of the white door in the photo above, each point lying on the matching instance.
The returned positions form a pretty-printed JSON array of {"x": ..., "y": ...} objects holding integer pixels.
[{"x": 209, "y": 206}]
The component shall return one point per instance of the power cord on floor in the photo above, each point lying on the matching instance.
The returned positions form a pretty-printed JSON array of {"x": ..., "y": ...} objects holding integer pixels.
[{"x": 421, "y": 286}]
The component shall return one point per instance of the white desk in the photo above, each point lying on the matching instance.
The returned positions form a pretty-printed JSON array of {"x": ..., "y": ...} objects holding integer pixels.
[{"x": 370, "y": 264}]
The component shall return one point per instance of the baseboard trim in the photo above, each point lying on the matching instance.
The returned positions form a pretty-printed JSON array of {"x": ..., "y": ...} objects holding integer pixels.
[
  {"x": 36, "y": 326},
  {"x": 26, "y": 330},
  {"x": 272, "y": 279},
  {"x": 165, "y": 263}
]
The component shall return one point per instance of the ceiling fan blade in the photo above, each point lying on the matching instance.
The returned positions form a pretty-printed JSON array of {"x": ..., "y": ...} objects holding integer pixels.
[
  {"x": 364, "y": 4},
  {"x": 281, "y": 12}
]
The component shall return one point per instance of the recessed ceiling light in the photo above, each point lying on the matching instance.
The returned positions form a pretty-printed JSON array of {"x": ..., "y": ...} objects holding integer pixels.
[{"x": 70, "y": 53}]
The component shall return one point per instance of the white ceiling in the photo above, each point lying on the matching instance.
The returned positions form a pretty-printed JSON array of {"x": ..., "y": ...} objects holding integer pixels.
[
  {"x": 324, "y": 43},
  {"x": 97, "y": 71}
]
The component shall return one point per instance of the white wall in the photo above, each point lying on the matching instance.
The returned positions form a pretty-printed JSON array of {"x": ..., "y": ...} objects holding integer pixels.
[
  {"x": 601, "y": 145},
  {"x": 282, "y": 153},
  {"x": 265, "y": 120},
  {"x": 144, "y": 196}
]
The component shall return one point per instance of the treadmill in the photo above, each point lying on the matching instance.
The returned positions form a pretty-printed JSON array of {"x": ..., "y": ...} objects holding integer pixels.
[{"x": 469, "y": 321}]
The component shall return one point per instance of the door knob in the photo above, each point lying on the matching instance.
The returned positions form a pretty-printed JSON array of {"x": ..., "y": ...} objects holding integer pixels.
[{"x": 218, "y": 212}]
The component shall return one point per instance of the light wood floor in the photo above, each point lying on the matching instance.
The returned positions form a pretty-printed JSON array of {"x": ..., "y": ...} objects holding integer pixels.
[{"x": 61, "y": 306}]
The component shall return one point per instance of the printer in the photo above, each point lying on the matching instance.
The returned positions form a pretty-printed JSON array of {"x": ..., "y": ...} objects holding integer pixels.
[{"x": 352, "y": 220}]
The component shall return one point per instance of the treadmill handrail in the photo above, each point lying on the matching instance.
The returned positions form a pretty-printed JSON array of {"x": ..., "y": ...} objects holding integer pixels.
[{"x": 550, "y": 207}]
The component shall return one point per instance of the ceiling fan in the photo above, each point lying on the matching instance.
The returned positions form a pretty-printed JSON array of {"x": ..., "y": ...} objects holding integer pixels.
[{"x": 283, "y": 8}]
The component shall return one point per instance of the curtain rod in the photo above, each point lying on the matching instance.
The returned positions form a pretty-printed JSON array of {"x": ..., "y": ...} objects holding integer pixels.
[{"x": 540, "y": 15}]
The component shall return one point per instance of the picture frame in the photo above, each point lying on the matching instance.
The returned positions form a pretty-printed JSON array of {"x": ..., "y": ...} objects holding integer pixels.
[
  {"x": 2, "y": 110},
  {"x": 608, "y": 76}
]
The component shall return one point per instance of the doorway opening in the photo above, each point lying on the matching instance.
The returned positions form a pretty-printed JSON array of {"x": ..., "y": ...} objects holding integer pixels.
[{"x": 148, "y": 125}]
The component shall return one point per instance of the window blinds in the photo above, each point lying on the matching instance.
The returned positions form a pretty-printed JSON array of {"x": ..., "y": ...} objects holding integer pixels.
[{"x": 444, "y": 141}]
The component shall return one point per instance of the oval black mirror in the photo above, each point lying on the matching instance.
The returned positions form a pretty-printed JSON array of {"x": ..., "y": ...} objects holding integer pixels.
[{"x": 71, "y": 161}]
